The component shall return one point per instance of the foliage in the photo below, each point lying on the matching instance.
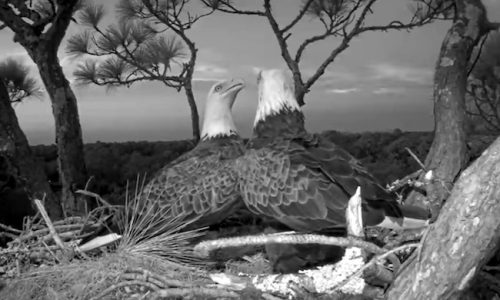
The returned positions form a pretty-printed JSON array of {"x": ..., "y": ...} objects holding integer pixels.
[
  {"x": 18, "y": 81},
  {"x": 126, "y": 52},
  {"x": 483, "y": 88},
  {"x": 148, "y": 42}
]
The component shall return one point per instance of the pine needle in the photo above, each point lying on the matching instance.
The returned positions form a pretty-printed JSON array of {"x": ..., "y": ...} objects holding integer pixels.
[{"x": 146, "y": 232}]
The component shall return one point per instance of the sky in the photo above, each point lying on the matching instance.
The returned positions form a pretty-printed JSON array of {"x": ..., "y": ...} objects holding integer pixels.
[{"x": 381, "y": 82}]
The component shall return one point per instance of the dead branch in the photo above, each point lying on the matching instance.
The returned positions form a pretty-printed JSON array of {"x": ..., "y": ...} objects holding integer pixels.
[
  {"x": 95, "y": 196},
  {"x": 47, "y": 220},
  {"x": 204, "y": 248}
]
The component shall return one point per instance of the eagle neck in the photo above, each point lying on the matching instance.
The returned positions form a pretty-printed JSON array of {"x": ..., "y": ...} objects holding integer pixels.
[{"x": 286, "y": 124}]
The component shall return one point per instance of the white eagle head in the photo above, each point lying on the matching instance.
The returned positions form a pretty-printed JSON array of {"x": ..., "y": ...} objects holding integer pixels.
[
  {"x": 276, "y": 94},
  {"x": 218, "y": 120}
]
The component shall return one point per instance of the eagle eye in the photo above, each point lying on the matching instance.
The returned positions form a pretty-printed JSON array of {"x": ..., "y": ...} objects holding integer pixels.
[{"x": 218, "y": 88}]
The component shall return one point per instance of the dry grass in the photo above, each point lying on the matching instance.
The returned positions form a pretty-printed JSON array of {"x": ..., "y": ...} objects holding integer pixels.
[
  {"x": 83, "y": 279},
  {"x": 149, "y": 242}
]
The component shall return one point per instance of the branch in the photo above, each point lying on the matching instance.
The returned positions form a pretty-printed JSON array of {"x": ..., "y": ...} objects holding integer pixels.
[
  {"x": 302, "y": 12},
  {"x": 230, "y": 9},
  {"x": 56, "y": 32},
  {"x": 479, "y": 51},
  {"x": 14, "y": 22},
  {"x": 203, "y": 248}
]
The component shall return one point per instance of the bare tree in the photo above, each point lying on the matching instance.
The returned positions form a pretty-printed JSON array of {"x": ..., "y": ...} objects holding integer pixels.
[
  {"x": 15, "y": 86},
  {"x": 138, "y": 47},
  {"x": 342, "y": 19},
  {"x": 39, "y": 26},
  {"x": 483, "y": 86}
]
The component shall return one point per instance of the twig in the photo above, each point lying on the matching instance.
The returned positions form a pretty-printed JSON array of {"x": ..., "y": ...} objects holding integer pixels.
[
  {"x": 51, "y": 252},
  {"x": 407, "y": 180},
  {"x": 94, "y": 195},
  {"x": 194, "y": 291},
  {"x": 27, "y": 250},
  {"x": 44, "y": 231},
  {"x": 47, "y": 220},
  {"x": 146, "y": 274},
  {"x": 492, "y": 268},
  {"x": 203, "y": 249},
  {"x": 8, "y": 228},
  {"x": 9, "y": 235},
  {"x": 416, "y": 158},
  {"x": 123, "y": 284}
]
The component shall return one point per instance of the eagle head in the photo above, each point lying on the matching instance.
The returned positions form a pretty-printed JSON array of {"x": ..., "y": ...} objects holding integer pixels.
[
  {"x": 218, "y": 120},
  {"x": 276, "y": 94}
]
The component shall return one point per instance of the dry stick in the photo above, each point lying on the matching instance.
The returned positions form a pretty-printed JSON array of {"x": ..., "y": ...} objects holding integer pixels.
[
  {"x": 416, "y": 159},
  {"x": 134, "y": 276},
  {"x": 94, "y": 195},
  {"x": 491, "y": 268},
  {"x": 399, "y": 183},
  {"x": 124, "y": 284},
  {"x": 8, "y": 228},
  {"x": 47, "y": 220},
  {"x": 203, "y": 249},
  {"x": 26, "y": 250},
  {"x": 44, "y": 231},
  {"x": 194, "y": 291},
  {"x": 166, "y": 281}
]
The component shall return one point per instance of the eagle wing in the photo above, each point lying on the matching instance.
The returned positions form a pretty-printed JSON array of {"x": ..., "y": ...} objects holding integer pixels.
[
  {"x": 306, "y": 184},
  {"x": 202, "y": 185}
]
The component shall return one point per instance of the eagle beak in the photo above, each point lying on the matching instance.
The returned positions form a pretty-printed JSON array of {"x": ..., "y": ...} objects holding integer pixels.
[{"x": 236, "y": 85}]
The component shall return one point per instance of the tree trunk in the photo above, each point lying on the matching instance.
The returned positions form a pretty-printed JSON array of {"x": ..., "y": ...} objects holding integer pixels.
[
  {"x": 462, "y": 240},
  {"x": 23, "y": 166},
  {"x": 69, "y": 140},
  {"x": 195, "y": 117},
  {"x": 447, "y": 155}
]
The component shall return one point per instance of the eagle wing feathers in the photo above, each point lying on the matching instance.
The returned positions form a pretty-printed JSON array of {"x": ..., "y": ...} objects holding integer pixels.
[
  {"x": 306, "y": 183},
  {"x": 203, "y": 184}
]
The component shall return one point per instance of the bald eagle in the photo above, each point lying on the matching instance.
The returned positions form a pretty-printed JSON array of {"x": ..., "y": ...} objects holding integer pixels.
[
  {"x": 305, "y": 181},
  {"x": 200, "y": 188},
  {"x": 201, "y": 185}
]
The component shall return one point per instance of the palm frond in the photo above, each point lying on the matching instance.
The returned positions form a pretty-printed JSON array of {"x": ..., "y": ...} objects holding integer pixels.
[
  {"x": 79, "y": 43},
  {"x": 90, "y": 14},
  {"x": 146, "y": 232}
]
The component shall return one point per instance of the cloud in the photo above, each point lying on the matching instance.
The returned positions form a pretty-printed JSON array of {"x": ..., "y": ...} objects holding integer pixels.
[
  {"x": 387, "y": 71},
  {"x": 209, "y": 72},
  {"x": 389, "y": 90},
  {"x": 342, "y": 91}
]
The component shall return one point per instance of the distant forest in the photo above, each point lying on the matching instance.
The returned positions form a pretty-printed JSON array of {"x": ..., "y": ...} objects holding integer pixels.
[{"x": 111, "y": 165}]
